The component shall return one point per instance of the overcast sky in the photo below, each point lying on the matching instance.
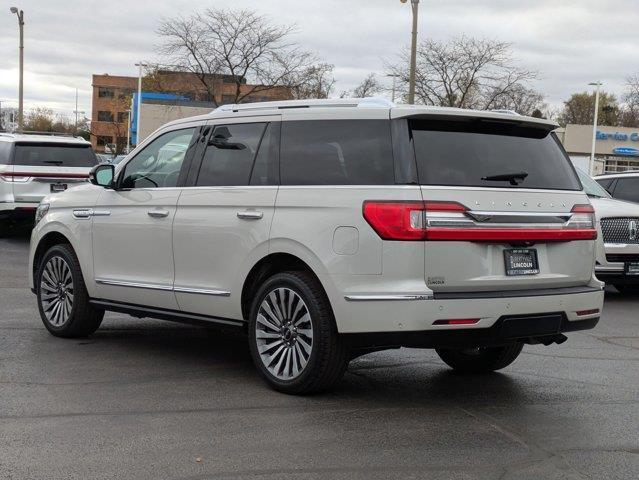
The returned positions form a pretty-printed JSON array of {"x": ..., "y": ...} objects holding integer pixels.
[{"x": 570, "y": 42}]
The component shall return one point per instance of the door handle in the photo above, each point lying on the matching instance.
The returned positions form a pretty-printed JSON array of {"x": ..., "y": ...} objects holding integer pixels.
[
  {"x": 250, "y": 215},
  {"x": 158, "y": 213}
]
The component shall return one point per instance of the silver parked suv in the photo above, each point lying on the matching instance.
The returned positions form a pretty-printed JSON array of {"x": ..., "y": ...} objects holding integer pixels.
[
  {"x": 328, "y": 229},
  {"x": 33, "y": 166}
]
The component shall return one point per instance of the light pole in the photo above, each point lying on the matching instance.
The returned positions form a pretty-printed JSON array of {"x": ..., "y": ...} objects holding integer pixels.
[
  {"x": 20, "y": 15},
  {"x": 394, "y": 76},
  {"x": 413, "y": 52},
  {"x": 139, "y": 103},
  {"x": 594, "y": 127},
  {"x": 76, "y": 111}
]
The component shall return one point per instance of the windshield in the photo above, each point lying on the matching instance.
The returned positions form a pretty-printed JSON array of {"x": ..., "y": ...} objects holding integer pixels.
[
  {"x": 482, "y": 153},
  {"x": 54, "y": 155},
  {"x": 591, "y": 187}
]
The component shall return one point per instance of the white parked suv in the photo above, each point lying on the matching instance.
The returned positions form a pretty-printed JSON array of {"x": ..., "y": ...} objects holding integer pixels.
[
  {"x": 328, "y": 229},
  {"x": 617, "y": 259},
  {"x": 34, "y": 166}
]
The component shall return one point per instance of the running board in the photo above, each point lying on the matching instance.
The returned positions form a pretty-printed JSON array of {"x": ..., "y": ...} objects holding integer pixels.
[{"x": 141, "y": 311}]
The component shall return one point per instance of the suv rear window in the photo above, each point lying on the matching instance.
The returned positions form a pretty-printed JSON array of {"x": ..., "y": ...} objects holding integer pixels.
[
  {"x": 465, "y": 153},
  {"x": 54, "y": 155},
  {"x": 337, "y": 152},
  {"x": 5, "y": 152}
]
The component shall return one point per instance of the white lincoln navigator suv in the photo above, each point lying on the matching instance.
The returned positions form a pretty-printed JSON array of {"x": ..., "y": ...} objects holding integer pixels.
[{"x": 328, "y": 229}]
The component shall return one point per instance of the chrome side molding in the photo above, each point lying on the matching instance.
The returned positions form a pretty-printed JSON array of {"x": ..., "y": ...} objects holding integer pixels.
[
  {"x": 203, "y": 291},
  {"x": 388, "y": 298},
  {"x": 89, "y": 212},
  {"x": 166, "y": 288}
]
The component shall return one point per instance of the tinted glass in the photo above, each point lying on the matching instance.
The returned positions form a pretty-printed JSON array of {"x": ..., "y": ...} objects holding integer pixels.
[
  {"x": 591, "y": 187},
  {"x": 266, "y": 166},
  {"x": 627, "y": 189},
  {"x": 5, "y": 153},
  {"x": 159, "y": 163},
  {"x": 605, "y": 182},
  {"x": 465, "y": 153},
  {"x": 228, "y": 159},
  {"x": 337, "y": 152},
  {"x": 54, "y": 155}
]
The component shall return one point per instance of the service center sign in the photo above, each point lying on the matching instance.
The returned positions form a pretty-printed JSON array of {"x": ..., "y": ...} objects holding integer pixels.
[{"x": 621, "y": 137}]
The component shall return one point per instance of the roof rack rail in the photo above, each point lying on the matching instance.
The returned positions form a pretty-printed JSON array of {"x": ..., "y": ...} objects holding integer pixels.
[
  {"x": 367, "y": 102},
  {"x": 506, "y": 111},
  {"x": 52, "y": 134}
]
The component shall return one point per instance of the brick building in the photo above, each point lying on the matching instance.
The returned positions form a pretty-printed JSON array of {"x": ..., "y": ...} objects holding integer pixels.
[{"x": 112, "y": 96}]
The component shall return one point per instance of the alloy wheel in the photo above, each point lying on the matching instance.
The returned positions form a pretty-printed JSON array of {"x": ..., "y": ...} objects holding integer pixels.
[
  {"x": 56, "y": 291},
  {"x": 284, "y": 333}
]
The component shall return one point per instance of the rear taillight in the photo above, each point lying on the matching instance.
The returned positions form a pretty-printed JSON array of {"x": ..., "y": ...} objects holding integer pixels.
[{"x": 449, "y": 221}]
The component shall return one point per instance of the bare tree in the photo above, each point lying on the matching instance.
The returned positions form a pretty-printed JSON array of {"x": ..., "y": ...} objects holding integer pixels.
[
  {"x": 629, "y": 115},
  {"x": 252, "y": 53},
  {"x": 315, "y": 81},
  {"x": 522, "y": 100},
  {"x": 465, "y": 73},
  {"x": 369, "y": 87}
]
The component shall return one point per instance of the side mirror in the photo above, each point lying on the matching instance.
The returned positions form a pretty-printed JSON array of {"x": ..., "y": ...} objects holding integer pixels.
[{"x": 102, "y": 175}]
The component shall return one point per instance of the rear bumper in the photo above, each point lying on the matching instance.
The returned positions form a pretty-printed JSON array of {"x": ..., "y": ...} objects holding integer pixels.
[
  {"x": 618, "y": 277},
  {"x": 17, "y": 209},
  {"x": 418, "y": 314},
  {"x": 506, "y": 330}
]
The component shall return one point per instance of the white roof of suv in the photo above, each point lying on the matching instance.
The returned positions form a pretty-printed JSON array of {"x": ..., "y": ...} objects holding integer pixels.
[
  {"x": 618, "y": 175},
  {"x": 340, "y": 104},
  {"x": 41, "y": 138}
]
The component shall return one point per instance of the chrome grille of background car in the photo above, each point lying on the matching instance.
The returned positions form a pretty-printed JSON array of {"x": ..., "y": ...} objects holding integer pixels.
[{"x": 620, "y": 230}]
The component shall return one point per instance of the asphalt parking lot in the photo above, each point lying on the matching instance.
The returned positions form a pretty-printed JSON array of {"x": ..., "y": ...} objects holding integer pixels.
[{"x": 150, "y": 399}]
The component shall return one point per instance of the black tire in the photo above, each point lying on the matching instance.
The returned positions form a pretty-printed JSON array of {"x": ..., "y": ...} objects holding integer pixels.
[
  {"x": 628, "y": 289},
  {"x": 82, "y": 318},
  {"x": 329, "y": 355},
  {"x": 480, "y": 360},
  {"x": 5, "y": 227}
]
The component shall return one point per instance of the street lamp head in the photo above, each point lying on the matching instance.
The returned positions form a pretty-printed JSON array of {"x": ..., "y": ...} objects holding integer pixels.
[
  {"x": 595, "y": 84},
  {"x": 14, "y": 10}
]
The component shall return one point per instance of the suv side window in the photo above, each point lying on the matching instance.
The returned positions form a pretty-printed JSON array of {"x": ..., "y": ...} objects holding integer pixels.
[
  {"x": 605, "y": 182},
  {"x": 5, "y": 153},
  {"x": 337, "y": 152},
  {"x": 627, "y": 189},
  {"x": 230, "y": 154},
  {"x": 159, "y": 163}
]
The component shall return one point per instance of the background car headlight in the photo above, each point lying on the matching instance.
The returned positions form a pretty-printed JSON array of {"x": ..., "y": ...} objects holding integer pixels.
[{"x": 41, "y": 211}]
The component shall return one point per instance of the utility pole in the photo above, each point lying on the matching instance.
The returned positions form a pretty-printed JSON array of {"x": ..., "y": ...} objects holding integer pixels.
[
  {"x": 20, "y": 15},
  {"x": 413, "y": 52},
  {"x": 394, "y": 89},
  {"x": 139, "y": 103},
  {"x": 594, "y": 129},
  {"x": 76, "y": 111}
]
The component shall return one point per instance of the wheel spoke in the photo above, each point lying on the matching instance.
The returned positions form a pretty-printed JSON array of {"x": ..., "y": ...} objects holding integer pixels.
[
  {"x": 305, "y": 346},
  {"x": 261, "y": 334},
  {"x": 276, "y": 307},
  {"x": 267, "y": 308},
  {"x": 301, "y": 355},
  {"x": 269, "y": 346},
  {"x": 303, "y": 319},
  {"x": 264, "y": 321},
  {"x": 275, "y": 355}
]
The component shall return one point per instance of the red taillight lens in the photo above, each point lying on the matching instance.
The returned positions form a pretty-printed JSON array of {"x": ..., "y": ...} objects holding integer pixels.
[
  {"x": 457, "y": 321},
  {"x": 396, "y": 220},
  {"x": 448, "y": 221}
]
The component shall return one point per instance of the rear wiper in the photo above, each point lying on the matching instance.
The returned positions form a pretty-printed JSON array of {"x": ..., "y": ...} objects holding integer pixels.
[
  {"x": 513, "y": 178},
  {"x": 56, "y": 162}
]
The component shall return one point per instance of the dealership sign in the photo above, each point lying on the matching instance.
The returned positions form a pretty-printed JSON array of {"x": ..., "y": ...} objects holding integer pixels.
[
  {"x": 618, "y": 136},
  {"x": 629, "y": 151}
]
